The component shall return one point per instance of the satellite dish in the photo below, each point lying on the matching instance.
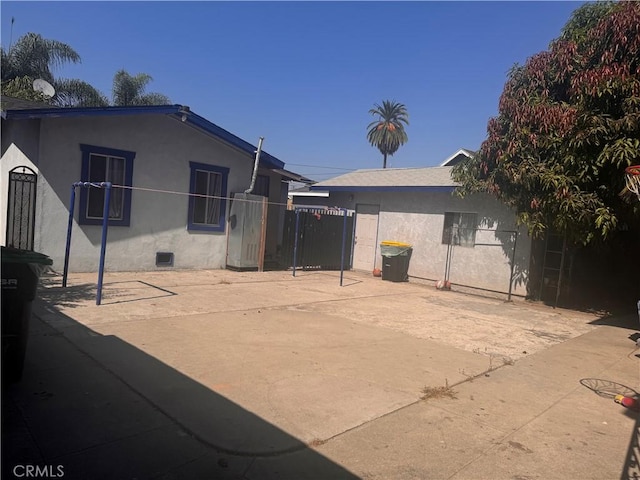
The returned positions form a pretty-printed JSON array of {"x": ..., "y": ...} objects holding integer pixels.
[{"x": 40, "y": 85}]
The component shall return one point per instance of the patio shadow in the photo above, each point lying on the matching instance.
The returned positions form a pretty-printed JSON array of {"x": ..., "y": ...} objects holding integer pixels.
[{"x": 99, "y": 407}]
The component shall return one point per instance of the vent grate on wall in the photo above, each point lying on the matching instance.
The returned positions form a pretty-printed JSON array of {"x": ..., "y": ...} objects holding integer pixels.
[{"x": 164, "y": 259}]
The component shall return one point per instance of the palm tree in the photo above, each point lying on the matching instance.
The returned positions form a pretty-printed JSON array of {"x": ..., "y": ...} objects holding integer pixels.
[
  {"x": 130, "y": 90},
  {"x": 77, "y": 93},
  {"x": 127, "y": 90},
  {"x": 35, "y": 57},
  {"x": 387, "y": 132}
]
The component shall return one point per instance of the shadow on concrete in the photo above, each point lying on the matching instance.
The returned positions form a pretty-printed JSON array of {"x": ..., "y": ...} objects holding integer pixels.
[
  {"x": 609, "y": 389},
  {"x": 631, "y": 469},
  {"x": 626, "y": 320},
  {"x": 112, "y": 292},
  {"x": 99, "y": 408}
]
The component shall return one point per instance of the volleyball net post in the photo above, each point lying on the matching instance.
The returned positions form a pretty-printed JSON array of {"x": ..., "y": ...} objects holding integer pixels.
[{"x": 105, "y": 227}]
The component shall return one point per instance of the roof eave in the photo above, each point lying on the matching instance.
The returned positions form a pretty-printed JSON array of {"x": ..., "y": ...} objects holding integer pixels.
[
  {"x": 178, "y": 112},
  {"x": 201, "y": 123},
  {"x": 385, "y": 188},
  {"x": 32, "y": 113}
]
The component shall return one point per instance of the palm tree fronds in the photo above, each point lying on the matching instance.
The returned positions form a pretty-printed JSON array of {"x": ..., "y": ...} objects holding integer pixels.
[
  {"x": 77, "y": 93},
  {"x": 387, "y": 133}
]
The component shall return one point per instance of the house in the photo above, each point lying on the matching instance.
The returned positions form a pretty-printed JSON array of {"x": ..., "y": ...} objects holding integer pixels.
[
  {"x": 471, "y": 241},
  {"x": 305, "y": 196},
  {"x": 458, "y": 157},
  {"x": 174, "y": 174}
]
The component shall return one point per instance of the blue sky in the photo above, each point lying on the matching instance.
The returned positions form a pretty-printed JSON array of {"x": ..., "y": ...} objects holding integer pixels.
[{"x": 305, "y": 74}]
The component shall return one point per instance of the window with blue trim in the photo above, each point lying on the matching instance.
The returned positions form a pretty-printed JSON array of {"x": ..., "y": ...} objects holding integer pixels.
[
  {"x": 208, "y": 186},
  {"x": 102, "y": 164}
]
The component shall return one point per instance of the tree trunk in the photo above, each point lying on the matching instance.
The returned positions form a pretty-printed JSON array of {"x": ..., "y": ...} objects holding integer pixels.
[{"x": 384, "y": 161}]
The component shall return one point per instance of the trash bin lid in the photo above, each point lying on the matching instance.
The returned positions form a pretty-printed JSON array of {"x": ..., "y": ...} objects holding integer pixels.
[
  {"x": 389, "y": 243},
  {"x": 15, "y": 255}
]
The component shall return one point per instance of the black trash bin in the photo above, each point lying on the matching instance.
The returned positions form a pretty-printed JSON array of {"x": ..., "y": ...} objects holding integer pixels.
[
  {"x": 21, "y": 270},
  {"x": 395, "y": 261}
]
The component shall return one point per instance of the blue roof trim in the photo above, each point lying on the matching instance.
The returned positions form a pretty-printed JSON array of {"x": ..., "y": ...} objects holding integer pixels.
[
  {"x": 417, "y": 188},
  {"x": 90, "y": 111},
  {"x": 266, "y": 160},
  {"x": 176, "y": 111}
]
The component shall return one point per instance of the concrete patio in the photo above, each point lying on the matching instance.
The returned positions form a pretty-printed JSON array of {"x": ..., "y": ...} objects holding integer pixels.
[{"x": 221, "y": 374}]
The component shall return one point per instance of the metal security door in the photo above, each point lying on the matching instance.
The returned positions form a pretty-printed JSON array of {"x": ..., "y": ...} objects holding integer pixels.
[
  {"x": 320, "y": 234},
  {"x": 21, "y": 208},
  {"x": 365, "y": 244}
]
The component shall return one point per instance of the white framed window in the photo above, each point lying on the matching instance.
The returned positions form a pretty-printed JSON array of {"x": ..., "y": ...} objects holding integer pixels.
[
  {"x": 101, "y": 164},
  {"x": 460, "y": 229},
  {"x": 207, "y": 205}
]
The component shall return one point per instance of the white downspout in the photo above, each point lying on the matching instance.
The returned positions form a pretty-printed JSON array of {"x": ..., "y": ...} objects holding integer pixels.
[{"x": 255, "y": 167}]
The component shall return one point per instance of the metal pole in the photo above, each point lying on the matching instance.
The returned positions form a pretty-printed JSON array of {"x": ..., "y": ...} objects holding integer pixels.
[
  {"x": 295, "y": 242},
  {"x": 33, "y": 210},
  {"x": 263, "y": 234},
  {"x": 103, "y": 247},
  {"x": 559, "y": 286},
  {"x": 513, "y": 260},
  {"x": 255, "y": 167},
  {"x": 344, "y": 241},
  {"x": 447, "y": 267},
  {"x": 69, "y": 227}
]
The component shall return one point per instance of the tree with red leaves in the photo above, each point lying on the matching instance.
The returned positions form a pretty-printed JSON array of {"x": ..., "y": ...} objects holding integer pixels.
[{"x": 568, "y": 125}]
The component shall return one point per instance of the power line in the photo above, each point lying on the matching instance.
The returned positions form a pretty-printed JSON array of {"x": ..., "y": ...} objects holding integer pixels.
[
  {"x": 198, "y": 195},
  {"x": 320, "y": 166}
]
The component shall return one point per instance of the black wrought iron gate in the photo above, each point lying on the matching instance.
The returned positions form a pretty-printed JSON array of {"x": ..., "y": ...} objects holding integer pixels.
[
  {"x": 320, "y": 233},
  {"x": 21, "y": 208}
]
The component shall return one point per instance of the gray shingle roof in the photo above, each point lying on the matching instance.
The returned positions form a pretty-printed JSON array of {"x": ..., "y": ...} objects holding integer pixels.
[
  {"x": 11, "y": 103},
  {"x": 385, "y": 178}
]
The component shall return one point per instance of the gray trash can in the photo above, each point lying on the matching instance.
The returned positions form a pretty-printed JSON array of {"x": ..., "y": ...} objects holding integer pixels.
[
  {"x": 395, "y": 261},
  {"x": 21, "y": 270}
]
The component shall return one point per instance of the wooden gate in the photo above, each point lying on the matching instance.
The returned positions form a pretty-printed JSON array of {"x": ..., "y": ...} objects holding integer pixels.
[
  {"x": 21, "y": 208},
  {"x": 320, "y": 234}
]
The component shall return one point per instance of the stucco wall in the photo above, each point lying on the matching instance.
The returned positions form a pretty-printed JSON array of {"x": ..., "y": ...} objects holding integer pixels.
[
  {"x": 164, "y": 148},
  {"x": 418, "y": 218},
  {"x": 24, "y": 152}
]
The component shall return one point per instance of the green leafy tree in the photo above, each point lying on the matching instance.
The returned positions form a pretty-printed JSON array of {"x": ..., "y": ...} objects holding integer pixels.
[
  {"x": 387, "y": 132},
  {"x": 568, "y": 125},
  {"x": 130, "y": 90},
  {"x": 22, "y": 87}
]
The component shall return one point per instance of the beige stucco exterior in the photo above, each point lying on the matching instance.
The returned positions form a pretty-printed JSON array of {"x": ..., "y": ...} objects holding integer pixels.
[
  {"x": 417, "y": 218},
  {"x": 163, "y": 149}
]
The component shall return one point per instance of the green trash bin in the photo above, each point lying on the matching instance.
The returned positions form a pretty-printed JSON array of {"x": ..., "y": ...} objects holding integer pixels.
[
  {"x": 395, "y": 261},
  {"x": 21, "y": 270}
]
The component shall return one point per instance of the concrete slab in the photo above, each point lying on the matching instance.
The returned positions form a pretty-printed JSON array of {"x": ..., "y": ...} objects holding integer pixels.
[
  {"x": 506, "y": 426},
  {"x": 80, "y": 420},
  {"x": 486, "y": 326},
  {"x": 145, "y": 455},
  {"x": 262, "y": 375},
  {"x": 418, "y": 442},
  {"x": 76, "y": 390},
  {"x": 312, "y": 375}
]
